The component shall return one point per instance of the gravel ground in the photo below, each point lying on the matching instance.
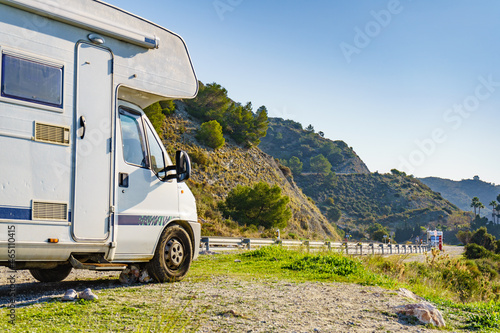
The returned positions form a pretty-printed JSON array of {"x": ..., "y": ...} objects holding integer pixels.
[
  {"x": 279, "y": 306},
  {"x": 234, "y": 305}
]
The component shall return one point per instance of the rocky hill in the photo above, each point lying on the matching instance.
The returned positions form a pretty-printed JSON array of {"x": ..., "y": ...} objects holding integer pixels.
[
  {"x": 327, "y": 183},
  {"x": 461, "y": 192},
  {"x": 395, "y": 200},
  {"x": 287, "y": 138},
  {"x": 216, "y": 172}
]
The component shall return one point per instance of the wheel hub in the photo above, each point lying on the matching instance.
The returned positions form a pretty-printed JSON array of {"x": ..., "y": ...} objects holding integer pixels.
[{"x": 174, "y": 253}]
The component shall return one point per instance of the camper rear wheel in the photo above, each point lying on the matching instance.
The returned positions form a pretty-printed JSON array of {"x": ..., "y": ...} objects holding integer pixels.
[
  {"x": 51, "y": 275},
  {"x": 173, "y": 255}
]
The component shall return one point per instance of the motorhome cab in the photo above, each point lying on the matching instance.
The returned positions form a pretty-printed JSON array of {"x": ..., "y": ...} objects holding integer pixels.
[{"x": 85, "y": 181}]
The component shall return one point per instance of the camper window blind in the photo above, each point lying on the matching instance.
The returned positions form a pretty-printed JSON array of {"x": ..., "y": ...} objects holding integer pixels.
[{"x": 32, "y": 81}]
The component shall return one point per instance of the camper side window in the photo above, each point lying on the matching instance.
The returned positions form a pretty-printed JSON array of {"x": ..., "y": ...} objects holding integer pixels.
[
  {"x": 32, "y": 81},
  {"x": 134, "y": 148},
  {"x": 156, "y": 153}
]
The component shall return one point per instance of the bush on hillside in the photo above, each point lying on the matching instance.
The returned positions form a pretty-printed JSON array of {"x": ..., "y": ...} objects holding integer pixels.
[
  {"x": 260, "y": 205},
  {"x": 483, "y": 238},
  {"x": 210, "y": 134},
  {"x": 474, "y": 251},
  {"x": 237, "y": 120},
  {"x": 167, "y": 107},
  {"x": 155, "y": 115},
  {"x": 334, "y": 214},
  {"x": 320, "y": 164}
]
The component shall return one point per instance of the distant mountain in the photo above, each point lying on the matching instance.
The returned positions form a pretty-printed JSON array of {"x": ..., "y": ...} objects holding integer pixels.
[
  {"x": 328, "y": 184},
  {"x": 394, "y": 200},
  {"x": 461, "y": 192},
  {"x": 347, "y": 193},
  {"x": 286, "y": 139}
]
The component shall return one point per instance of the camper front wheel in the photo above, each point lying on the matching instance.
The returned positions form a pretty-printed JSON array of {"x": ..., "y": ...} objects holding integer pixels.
[
  {"x": 51, "y": 275},
  {"x": 173, "y": 255}
]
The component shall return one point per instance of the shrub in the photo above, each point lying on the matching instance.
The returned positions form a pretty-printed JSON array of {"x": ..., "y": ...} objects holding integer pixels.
[
  {"x": 334, "y": 214},
  {"x": 320, "y": 164},
  {"x": 167, "y": 107},
  {"x": 199, "y": 157},
  {"x": 295, "y": 165},
  {"x": 464, "y": 236},
  {"x": 210, "y": 134},
  {"x": 483, "y": 238},
  {"x": 474, "y": 251},
  {"x": 155, "y": 115},
  {"x": 260, "y": 205},
  {"x": 330, "y": 263}
]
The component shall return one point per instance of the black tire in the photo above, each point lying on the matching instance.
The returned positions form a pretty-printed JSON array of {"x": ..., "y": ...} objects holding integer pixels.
[
  {"x": 51, "y": 275},
  {"x": 173, "y": 255}
]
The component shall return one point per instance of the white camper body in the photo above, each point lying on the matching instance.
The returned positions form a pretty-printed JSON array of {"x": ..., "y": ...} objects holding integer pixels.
[{"x": 85, "y": 181}]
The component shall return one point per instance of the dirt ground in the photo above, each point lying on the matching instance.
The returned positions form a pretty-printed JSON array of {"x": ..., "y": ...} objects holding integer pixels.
[{"x": 260, "y": 305}]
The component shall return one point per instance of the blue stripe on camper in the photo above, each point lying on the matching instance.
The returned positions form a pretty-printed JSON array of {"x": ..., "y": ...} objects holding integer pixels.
[
  {"x": 144, "y": 220},
  {"x": 19, "y": 213},
  {"x": 15, "y": 213}
]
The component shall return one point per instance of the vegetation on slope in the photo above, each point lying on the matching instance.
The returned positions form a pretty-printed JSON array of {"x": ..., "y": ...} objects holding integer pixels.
[
  {"x": 221, "y": 136},
  {"x": 237, "y": 120},
  {"x": 217, "y": 172},
  {"x": 289, "y": 142},
  {"x": 395, "y": 200},
  {"x": 461, "y": 192}
]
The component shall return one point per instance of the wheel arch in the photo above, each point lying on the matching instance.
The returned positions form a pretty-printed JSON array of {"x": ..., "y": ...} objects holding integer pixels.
[{"x": 186, "y": 226}]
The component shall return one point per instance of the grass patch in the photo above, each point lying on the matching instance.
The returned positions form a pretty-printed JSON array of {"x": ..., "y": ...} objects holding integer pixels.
[
  {"x": 276, "y": 262},
  {"x": 149, "y": 308},
  {"x": 170, "y": 307}
]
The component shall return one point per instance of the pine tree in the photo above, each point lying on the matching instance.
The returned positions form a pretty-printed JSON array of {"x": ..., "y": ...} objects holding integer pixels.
[
  {"x": 210, "y": 134},
  {"x": 260, "y": 205}
]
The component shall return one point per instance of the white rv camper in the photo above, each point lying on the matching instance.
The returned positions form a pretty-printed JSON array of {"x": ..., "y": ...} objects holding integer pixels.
[{"x": 85, "y": 181}]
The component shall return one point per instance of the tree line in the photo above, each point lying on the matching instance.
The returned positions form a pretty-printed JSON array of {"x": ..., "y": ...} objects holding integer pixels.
[
  {"x": 224, "y": 116},
  {"x": 478, "y": 205}
]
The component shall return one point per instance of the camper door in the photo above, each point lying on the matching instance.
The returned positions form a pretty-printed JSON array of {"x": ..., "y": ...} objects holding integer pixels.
[{"x": 93, "y": 158}]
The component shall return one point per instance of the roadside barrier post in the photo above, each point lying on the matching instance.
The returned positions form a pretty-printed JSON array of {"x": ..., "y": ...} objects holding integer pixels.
[
  {"x": 206, "y": 240},
  {"x": 306, "y": 243}
]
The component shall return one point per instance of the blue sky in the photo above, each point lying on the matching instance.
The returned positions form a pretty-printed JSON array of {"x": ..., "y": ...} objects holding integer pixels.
[{"x": 412, "y": 85}]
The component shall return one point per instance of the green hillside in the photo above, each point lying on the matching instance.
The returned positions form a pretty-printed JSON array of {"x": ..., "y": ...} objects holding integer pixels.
[
  {"x": 237, "y": 162},
  {"x": 461, "y": 192},
  {"x": 286, "y": 139},
  {"x": 394, "y": 200},
  {"x": 324, "y": 184}
]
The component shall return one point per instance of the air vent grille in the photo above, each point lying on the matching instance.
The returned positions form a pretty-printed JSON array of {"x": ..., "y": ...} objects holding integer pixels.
[
  {"x": 51, "y": 133},
  {"x": 50, "y": 211}
]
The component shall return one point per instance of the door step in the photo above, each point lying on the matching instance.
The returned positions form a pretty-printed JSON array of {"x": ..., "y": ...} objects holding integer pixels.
[{"x": 96, "y": 266}]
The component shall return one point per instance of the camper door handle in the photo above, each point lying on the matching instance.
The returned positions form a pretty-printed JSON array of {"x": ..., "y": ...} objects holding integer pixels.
[{"x": 83, "y": 124}]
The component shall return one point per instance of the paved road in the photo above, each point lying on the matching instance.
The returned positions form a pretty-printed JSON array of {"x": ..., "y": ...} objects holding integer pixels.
[{"x": 451, "y": 250}]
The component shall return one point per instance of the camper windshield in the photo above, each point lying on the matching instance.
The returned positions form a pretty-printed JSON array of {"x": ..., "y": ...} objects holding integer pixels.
[{"x": 134, "y": 149}]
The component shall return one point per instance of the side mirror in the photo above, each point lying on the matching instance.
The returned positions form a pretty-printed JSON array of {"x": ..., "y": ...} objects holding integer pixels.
[{"x": 182, "y": 167}]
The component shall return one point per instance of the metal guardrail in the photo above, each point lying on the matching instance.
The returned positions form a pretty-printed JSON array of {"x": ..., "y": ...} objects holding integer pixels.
[{"x": 228, "y": 243}]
